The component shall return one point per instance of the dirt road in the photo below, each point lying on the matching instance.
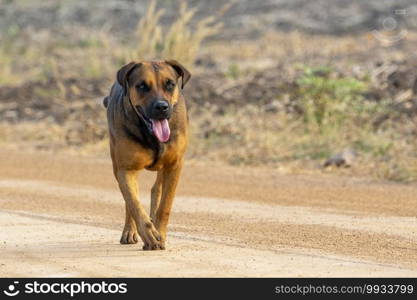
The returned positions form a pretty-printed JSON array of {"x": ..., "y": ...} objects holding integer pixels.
[{"x": 62, "y": 215}]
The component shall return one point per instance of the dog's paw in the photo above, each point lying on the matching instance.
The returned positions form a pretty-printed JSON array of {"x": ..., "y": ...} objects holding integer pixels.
[
  {"x": 151, "y": 237},
  {"x": 129, "y": 237},
  {"x": 157, "y": 246}
]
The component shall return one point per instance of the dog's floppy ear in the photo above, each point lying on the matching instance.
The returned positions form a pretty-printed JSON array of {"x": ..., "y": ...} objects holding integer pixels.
[
  {"x": 123, "y": 74},
  {"x": 181, "y": 70}
]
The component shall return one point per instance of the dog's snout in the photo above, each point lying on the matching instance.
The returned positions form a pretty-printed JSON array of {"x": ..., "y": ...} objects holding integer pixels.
[
  {"x": 160, "y": 109},
  {"x": 161, "y": 106}
]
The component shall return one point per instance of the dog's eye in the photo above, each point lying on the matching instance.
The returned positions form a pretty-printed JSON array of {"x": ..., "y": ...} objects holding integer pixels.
[
  {"x": 143, "y": 87},
  {"x": 170, "y": 85}
]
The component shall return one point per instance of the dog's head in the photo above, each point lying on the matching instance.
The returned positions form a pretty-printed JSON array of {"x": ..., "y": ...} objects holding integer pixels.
[{"x": 154, "y": 88}]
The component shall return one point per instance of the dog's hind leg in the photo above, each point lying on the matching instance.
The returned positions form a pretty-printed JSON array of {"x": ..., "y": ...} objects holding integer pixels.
[{"x": 156, "y": 193}]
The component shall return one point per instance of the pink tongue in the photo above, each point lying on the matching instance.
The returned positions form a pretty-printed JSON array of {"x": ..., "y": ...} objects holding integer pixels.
[{"x": 161, "y": 129}]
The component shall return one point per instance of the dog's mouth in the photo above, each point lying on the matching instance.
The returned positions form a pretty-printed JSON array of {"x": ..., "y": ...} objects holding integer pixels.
[
  {"x": 159, "y": 127},
  {"x": 161, "y": 130}
]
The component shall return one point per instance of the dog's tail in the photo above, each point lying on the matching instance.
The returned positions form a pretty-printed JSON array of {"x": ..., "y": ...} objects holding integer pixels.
[{"x": 106, "y": 101}]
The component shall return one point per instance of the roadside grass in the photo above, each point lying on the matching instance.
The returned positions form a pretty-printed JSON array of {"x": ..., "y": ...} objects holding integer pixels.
[
  {"x": 335, "y": 115},
  {"x": 249, "y": 136}
]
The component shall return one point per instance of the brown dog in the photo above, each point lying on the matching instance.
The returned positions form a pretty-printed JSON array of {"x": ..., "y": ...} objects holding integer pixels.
[{"x": 148, "y": 121}]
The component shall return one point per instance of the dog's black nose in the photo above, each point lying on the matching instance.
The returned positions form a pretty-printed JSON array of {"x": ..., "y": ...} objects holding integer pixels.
[{"x": 161, "y": 106}]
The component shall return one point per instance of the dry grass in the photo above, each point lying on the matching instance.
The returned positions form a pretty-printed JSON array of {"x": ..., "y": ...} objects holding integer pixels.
[
  {"x": 251, "y": 136},
  {"x": 96, "y": 53},
  {"x": 181, "y": 41}
]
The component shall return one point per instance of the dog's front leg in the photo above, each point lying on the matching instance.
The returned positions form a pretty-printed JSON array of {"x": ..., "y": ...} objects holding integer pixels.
[
  {"x": 156, "y": 193},
  {"x": 130, "y": 233},
  {"x": 170, "y": 177},
  {"x": 147, "y": 231}
]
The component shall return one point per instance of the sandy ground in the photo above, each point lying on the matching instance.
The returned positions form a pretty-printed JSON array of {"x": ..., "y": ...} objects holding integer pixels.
[{"x": 62, "y": 215}]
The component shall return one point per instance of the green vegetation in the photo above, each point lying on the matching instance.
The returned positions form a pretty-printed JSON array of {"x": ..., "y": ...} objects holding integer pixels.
[{"x": 327, "y": 100}]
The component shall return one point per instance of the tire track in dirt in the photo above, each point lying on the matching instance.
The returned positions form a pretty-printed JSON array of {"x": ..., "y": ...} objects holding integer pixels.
[
  {"x": 236, "y": 210},
  {"x": 361, "y": 195}
]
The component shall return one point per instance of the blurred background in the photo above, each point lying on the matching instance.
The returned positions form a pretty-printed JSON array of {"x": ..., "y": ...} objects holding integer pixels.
[{"x": 325, "y": 86}]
